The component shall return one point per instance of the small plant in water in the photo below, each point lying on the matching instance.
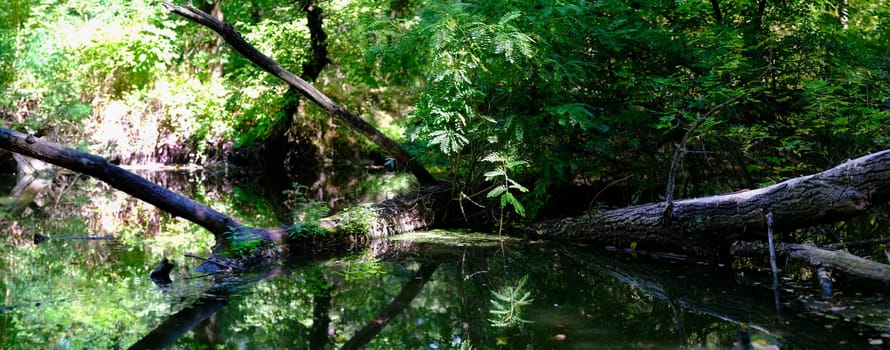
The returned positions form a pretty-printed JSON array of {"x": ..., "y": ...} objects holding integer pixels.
[
  {"x": 507, "y": 304},
  {"x": 238, "y": 246},
  {"x": 305, "y": 211},
  {"x": 504, "y": 184},
  {"x": 360, "y": 268},
  {"x": 358, "y": 219}
]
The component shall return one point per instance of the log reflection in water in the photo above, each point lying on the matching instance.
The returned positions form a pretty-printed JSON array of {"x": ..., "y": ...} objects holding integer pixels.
[
  {"x": 402, "y": 300},
  {"x": 719, "y": 295}
]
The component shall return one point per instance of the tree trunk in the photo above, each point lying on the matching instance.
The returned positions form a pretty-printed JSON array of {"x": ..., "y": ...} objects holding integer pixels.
[
  {"x": 117, "y": 177},
  {"x": 708, "y": 226},
  {"x": 700, "y": 226},
  {"x": 352, "y": 121},
  {"x": 837, "y": 260}
]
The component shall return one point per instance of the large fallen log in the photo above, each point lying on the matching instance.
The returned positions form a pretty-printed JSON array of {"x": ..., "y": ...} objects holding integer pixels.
[
  {"x": 705, "y": 226},
  {"x": 411, "y": 212},
  {"x": 701, "y": 226},
  {"x": 709, "y": 225}
]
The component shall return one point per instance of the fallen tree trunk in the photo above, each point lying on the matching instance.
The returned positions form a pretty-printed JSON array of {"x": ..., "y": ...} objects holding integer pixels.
[
  {"x": 709, "y": 226},
  {"x": 134, "y": 185},
  {"x": 410, "y": 212},
  {"x": 701, "y": 226},
  {"x": 704, "y": 226},
  {"x": 837, "y": 260}
]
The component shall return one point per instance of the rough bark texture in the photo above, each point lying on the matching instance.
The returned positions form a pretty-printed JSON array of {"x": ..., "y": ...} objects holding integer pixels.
[
  {"x": 701, "y": 226},
  {"x": 708, "y": 226},
  {"x": 352, "y": 121},
  {"x": 318, "y": 46}
]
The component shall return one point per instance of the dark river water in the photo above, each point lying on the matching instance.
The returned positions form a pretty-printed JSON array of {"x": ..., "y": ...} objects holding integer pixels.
[{"x": 428, "y": 290}]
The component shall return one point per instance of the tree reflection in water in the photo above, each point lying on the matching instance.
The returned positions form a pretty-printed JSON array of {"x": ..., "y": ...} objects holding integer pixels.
[{"x": 413, "y": 294}]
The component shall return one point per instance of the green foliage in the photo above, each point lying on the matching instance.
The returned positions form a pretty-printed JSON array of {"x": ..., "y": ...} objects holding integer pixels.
[
  {"x": 502, "y": 190},
  {"x": 507, "y": 304},
  {"x": 257, "y": 101},
  {"x": 584, "y": 92},
  {"x": 358, "y": 219},
  {"x": 503, "y": 184},
  {"x": 305, "y": 211},
  {"x": 361, "y": 267},
  {"x": 587, "y": 91},
  {"x": 238, "y": 245}
]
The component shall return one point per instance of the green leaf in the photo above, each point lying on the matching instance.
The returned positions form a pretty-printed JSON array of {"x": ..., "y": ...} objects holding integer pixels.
[
  {"x": 494, "y": 158},
  {"x": 494, "y": 173},
  {"x": 497, "y": 191},
  {"x": 516, "y": 185},
  {"x": 515, "y": 163},
  {"x": 508, "y": 198}
]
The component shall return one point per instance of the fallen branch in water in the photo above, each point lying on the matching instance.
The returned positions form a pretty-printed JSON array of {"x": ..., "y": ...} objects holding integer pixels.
[
  {"x": 865, "y": 243},
  {"x": 404, "y": 213},
  {"x": 837, "y": 260}
]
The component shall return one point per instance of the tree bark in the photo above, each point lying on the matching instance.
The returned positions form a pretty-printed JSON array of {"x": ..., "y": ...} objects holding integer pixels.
[
  {"x": 708, "y": 226},
  {"x": 318, "y": 46},
  {"x": 837, "y": 260},
  {"x": 718, "y": 17},
  {"x": 352, "y": 121}
]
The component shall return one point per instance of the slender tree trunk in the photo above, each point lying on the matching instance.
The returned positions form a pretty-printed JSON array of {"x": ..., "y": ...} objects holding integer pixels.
[
  {"x": 718, "y": 17},
  {"x": 843, "y": 13},
  {"x": 318, "y": 45},
  {"x": 354, "y": 122},
  {"x": 213, "y": 48}
]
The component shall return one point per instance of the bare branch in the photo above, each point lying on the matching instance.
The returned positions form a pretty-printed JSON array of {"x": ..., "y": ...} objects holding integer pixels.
[{"x": 352, "y": 121}]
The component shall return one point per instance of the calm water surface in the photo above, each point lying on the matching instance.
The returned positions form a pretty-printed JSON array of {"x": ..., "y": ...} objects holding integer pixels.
[{"x": 427, "y": 291}]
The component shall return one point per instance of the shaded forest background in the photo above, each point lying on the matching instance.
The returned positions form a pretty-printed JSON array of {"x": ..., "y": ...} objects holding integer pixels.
[{"x": 551, "y": 106}]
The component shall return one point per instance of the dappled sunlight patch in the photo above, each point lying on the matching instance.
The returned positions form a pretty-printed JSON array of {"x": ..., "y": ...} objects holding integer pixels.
[{"x": 180, "y": 237}]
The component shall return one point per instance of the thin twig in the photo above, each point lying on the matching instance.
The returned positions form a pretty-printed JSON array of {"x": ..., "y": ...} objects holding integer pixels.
[
  {"x": 210, "y": 261},
  {"x": 681, "y": 151},
  {"x": 604, "y": 189},
  {"x": 836, "y": 246}
]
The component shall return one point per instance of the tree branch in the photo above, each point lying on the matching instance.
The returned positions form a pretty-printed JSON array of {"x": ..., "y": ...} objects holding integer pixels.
[
  {"x": 680, "y": 152},
  {"x": 833, "y": 259},
  {"x": 717, "y": 15},
  {"x": 352, "y": 121},
  {"x": 117, "y": 177}
]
